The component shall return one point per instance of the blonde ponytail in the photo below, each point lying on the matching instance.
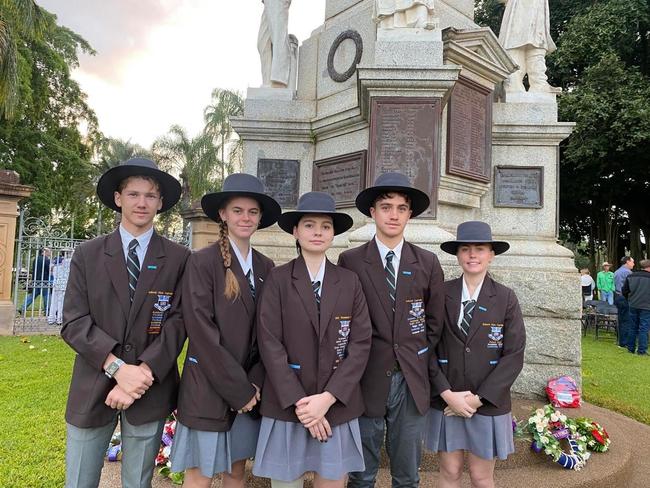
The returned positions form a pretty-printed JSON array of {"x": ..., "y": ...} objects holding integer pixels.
[{"x": 232, "y": 290}]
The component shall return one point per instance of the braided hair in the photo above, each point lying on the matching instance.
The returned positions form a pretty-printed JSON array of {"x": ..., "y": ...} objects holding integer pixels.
[{"x": 232, "y": 290}]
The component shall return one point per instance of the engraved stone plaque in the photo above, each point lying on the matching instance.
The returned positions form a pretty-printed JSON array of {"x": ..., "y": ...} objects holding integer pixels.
[
  {"x": 341, "y": 176},
  {"x": 404, "y": 134},
  {"x": 469, "y": 134},
  {"x": 518, "y": 186},
  {"x": 280, "y": 178}
]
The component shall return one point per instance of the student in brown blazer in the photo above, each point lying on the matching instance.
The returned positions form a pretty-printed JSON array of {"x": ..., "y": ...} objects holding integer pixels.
[
  {"x": 223, "y": 375},
  {"x": 314, "y": 338},
  {"x": 403, "y": 286},
  {"x": 121, "y": 315},
  {"x": 481, "y": 353}
]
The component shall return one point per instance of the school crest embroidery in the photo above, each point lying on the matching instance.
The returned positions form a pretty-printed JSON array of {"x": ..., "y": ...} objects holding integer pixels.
[
  {"x": 344, "y": 329},
  {"x": 163, "y": 303},
  {"x": 416, "y": 309},
  {"x": 496, "y": 337},
  {"x": 341, "y": 344}
]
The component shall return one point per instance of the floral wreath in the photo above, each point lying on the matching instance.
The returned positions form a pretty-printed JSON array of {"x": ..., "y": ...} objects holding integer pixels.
[
  {"x": 548, "y": 427},
  {"x": 597, "y": 437}
]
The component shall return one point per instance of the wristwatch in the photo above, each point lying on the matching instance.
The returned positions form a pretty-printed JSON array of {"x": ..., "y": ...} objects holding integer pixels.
[{"x": 112, "y": 368}]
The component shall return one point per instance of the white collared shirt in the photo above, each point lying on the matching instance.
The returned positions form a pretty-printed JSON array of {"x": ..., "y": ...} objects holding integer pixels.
[
  {"x": 143, "y": 243},
  {"x": 320, "y": 276},
  {"x": 383, "y": 250},
  {"x": 246, "y": 264},
  {"x": 465, "y": 296}
]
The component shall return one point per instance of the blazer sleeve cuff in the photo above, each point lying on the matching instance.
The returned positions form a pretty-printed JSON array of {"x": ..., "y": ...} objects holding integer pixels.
[{"x": 256, "y": 375}]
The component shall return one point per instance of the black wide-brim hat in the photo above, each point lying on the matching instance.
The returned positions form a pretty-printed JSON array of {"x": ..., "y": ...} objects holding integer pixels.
[
  {"x": 392, "y": 183},
  {"x": 315, "y": 203},
  {"x": 170, "y": 188},
  {"x": 474, "y": 232},
  {"x": 242, "y": 185}
]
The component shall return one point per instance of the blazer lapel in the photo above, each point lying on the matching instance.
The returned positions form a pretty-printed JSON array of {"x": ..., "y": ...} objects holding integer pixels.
[
  {"x": 377, "y": 275},
  {"x": 244, "y": 286},
  {"x": 116, "y": 269},
  {"x": 452, "y": 306},
  {"x": 302, "y": 285},
  {"x": 153, "y": 263},
  {"x": 329, "y": 297},
  {"x": 405, "y": 274},
  {"x": 259, "y": 270},
  {"x": 483, "y": 303}
]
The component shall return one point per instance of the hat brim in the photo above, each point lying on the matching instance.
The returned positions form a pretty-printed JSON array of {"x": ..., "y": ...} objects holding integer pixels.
[
  {"x": 212, "y": 202},
  {"x": 170, "y": 188},
  {"x": 451, "y": 247},
  {"x": 288, "y": 220},
  {"x": 419, "y": 200}
]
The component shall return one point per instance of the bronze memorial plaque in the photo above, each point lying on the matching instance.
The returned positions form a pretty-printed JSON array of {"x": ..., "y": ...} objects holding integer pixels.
[
  {"x": 404, "y": 135},
  {"x": 519, "y": 186},
  {"x": 341, "y": 176},
  {"x": 280, "y": 178},
  {"x": 469, "y": 133}
]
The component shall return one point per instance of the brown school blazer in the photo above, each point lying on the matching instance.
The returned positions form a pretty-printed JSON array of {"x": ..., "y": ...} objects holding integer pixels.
[
  {"x": 488, "y": 360},
  {"x": 411, "y": 335},
  {"x": 98, "y": 318},
  {"x": 222, "y": 359},
  {"x": 305, "y": 354}
]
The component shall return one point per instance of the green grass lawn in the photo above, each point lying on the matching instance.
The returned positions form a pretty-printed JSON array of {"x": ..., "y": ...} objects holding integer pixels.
[
  {"x": 34, "y": 379},
  {"x": 615, "y": 379}
]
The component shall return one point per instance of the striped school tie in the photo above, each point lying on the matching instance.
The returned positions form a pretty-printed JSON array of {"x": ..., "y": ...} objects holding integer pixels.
[
  {"x": 133, "y": 267},
  {"x": 390, "y": 277},
  {"x": 315, "y": 286},
  {"x": 249, "y": 278},
  {"x": 468, "y": 310}
]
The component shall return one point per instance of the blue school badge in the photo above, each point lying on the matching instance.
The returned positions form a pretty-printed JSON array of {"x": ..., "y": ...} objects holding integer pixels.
[
  {"x": 344, "y": 328},
  {"x": 160, "y": 307},
  {"x": 496, "y": 337},
  {"x": 416, "y": 316},
  {"x": 416, "y": 309},
  {"x": 341, "y": 344},
  {"x": 163, "y": 303}
]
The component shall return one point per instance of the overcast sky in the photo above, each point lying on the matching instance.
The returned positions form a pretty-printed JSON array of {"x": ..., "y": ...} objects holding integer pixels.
[{"x": 157, "y": 61}]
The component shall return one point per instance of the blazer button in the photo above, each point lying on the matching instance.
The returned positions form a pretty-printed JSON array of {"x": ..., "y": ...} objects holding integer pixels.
[
  {"x": 395, "y": 346},
  {"x": 467, "y": 349},
  {"x": 389, "y": 372},
  {"x": 128, "y": 347}
]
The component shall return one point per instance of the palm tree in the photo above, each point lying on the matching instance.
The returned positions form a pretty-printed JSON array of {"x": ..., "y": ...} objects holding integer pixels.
[
  {"x": 225, "y": 104},
  {"x": 194, "y": 158},
  {"x": 113, "y": 151},
  {"x": 18, "y": 19}
]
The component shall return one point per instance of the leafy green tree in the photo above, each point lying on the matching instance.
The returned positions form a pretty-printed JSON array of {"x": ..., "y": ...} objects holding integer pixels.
[
  {"x": 192, "y": 158},
  {"x": 19, "y": 20},
  {"x": 224, "y": 105},
  {"x": 42, "y": 140}
]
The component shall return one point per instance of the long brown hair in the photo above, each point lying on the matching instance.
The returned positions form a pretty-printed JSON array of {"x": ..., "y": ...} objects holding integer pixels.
[{"x": 232, "y": 290}]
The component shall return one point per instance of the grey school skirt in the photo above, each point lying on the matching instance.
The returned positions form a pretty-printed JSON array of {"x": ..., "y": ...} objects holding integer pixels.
[
  {"x": 286, "y": 451},
  {"x": 214, "y": 452},
  {"x": 484, "y": 436}
]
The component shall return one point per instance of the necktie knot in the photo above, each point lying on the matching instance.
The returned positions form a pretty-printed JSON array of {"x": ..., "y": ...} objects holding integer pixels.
[
  {"x": 389, "y": 257},
  {"x": 133, "y": 245}
]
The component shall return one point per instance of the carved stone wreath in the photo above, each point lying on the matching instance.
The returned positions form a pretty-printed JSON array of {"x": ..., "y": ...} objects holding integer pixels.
[{"x": 347, "y": 74}]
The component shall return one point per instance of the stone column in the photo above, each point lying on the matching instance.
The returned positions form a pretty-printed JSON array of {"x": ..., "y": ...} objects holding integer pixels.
[
  {"x": 11, "y": 192},
  {"x": 204, "y": 230}
]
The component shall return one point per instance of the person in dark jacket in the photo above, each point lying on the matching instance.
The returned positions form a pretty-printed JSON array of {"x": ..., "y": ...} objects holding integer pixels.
[
  {"x": 637, "y": 292},
  {"x": 222, "y": 377},
  {"x": 121, "y": 315},
  {"x": 314, "y": 338},
  {"x": 481, "y": 353},
  {"x": 40, "y": 280}
]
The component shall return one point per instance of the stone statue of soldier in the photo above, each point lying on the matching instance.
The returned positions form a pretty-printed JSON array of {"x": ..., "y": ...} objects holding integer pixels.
[
  {"x": 525, "y": 34},
  {"x": 392, "y": 14},
  {"x": 273, "y": 44}
]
